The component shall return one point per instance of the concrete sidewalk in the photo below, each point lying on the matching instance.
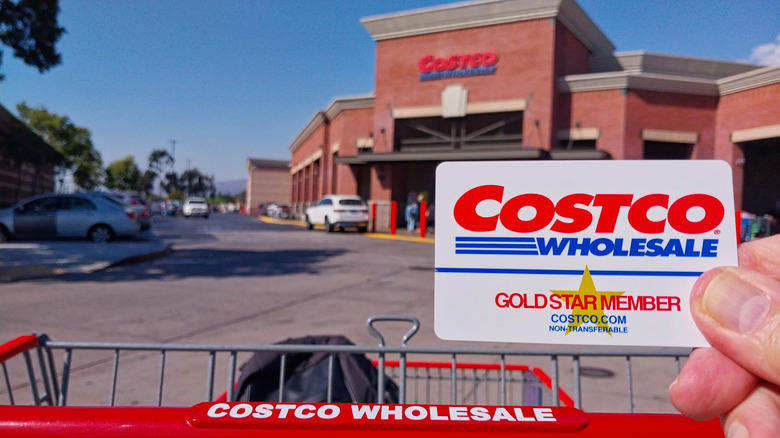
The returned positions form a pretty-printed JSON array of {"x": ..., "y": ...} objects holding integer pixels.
[{"x": 40, "y": 259}]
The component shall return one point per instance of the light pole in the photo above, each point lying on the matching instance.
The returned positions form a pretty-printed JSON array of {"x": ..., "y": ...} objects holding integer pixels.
[{"x": 173, "y": 155}]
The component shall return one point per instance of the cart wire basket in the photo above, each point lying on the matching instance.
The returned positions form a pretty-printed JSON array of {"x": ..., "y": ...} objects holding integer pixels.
[{"x": 138, "y": 389}]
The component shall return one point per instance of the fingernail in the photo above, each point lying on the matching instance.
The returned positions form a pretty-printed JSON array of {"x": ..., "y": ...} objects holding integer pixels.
[
  {"x": 734, "y": 303},
  {"x": 737, "y": 430},
  {"x": 675, "y": 382}
]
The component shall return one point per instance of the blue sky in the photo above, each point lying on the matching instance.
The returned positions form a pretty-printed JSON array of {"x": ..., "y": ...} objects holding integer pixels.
[{"x": 233, "y": 79}]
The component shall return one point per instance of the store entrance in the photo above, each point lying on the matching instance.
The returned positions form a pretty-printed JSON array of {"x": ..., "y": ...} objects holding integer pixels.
[
  {"x": 410, "y": 180},
  {"x": 761, "y": 185}
]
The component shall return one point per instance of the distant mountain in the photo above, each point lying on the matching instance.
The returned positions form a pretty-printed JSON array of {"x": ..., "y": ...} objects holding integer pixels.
[{"x": 231, "y": 187}]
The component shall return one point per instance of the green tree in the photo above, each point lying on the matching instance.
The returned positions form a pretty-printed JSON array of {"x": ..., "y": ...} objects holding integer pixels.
[
  {"x": 30, "y": 28},
  {"x": 195, "y": 183},
  {"x": 171, "y": 184},
  {"x": 74, "y": 142},
  {"x": 123, "y": 175},
  {"x": 159, "y": 161}
]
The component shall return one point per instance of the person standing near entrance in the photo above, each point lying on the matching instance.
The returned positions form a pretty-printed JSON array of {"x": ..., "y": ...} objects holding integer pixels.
[{"x": 410, "y": 214}]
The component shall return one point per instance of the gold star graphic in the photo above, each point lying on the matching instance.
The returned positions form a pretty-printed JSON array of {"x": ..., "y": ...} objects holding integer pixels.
[{"x": 586, "y": 303}]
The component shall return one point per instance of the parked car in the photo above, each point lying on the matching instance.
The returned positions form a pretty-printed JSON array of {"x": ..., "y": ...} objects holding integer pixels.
[
  {"x": 338, "y": 211},
  {"x": 76, "y": 215},
  {"x": 195, "y": 206},
  {"x": 279, "y": 211},
  {"x": 142, "y": 207},
  {"x": 262, "y": 209}
]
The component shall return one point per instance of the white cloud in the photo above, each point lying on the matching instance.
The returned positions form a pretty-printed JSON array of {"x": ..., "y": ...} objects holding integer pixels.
[{"x": 767, "y": 54}]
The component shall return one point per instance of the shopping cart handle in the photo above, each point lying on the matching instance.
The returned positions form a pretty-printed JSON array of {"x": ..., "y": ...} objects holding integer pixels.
[
  {"x": 394, "y": 318},
  {"x": 289, "y": 420}
]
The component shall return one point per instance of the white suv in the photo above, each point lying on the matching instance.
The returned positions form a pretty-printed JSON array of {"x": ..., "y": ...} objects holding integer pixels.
[
  {"x": 338, "y": 211},
  {"x": 195, "y": 206}
]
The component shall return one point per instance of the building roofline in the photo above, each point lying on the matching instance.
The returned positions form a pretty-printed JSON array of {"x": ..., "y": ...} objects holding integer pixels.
[
  {"x": 338, "y": 105},
  {"x": 647, "y": 62},
  {"x": 267, "y": 163},
  {"x": 486, "y": 13},
  {"x": 752, "y": 79},
  {"x": 637, "y": 81},
  {"x": 19, "y": 142},
  {"x": 669, "y": 73}
]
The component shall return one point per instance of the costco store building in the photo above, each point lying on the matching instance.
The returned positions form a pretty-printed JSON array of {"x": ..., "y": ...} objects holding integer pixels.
[{"x": 532, "y": 80}]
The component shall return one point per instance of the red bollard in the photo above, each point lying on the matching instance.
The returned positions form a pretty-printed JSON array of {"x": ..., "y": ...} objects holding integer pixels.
[
  {"x": 393, "y": 208},
  {"x": 373, "y": 217},
  {"x": 423, "y": 221}
]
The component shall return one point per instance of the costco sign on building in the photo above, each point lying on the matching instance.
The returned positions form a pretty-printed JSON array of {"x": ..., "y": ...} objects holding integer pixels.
[
  {"x": 587, "y": 252},
  {"x": 472, "y": 64}
]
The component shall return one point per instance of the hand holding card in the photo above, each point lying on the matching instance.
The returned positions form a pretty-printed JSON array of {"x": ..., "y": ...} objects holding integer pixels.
[
  {"x": 581, "y": 253},
  {"x": 738, "y": 311}
]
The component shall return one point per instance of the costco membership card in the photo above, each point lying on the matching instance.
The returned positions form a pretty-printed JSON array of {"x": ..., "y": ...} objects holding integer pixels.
[{"x": 578, "y": 252}]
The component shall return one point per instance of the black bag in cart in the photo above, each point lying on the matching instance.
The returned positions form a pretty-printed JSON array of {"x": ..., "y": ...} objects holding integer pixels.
[{"x": 306, "y": 376}]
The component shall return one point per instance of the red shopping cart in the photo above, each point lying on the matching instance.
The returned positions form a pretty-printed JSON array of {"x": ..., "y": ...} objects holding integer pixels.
[{"x": 46, "y": 396}]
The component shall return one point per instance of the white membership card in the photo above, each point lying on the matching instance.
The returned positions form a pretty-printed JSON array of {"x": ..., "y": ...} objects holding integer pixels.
[{"x": 578, "y": 252}]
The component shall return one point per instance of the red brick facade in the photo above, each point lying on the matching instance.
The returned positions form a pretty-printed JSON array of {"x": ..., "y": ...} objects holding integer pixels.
[
  {"x": 557, "y": 74},
  {"x": 26, "y": 161}
]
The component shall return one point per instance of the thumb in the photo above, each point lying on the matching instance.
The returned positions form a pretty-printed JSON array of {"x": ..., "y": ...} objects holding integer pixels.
[{"x": 738, "y": 311}]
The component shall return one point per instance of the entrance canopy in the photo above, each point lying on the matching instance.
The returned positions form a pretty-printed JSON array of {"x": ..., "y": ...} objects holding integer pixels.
[{"x": 474, "y": 155}]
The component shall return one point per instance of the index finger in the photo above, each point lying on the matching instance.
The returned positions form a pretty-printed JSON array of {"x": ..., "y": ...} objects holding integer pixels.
[{"x": 762, "y": 255}]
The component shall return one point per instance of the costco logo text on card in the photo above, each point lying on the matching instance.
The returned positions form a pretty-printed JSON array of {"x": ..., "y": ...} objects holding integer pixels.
[{"x": 650, "y": 214}]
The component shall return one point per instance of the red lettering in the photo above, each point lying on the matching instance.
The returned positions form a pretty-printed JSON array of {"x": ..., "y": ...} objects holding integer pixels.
[
  {"x": 544, "y": 213},
  {"x": 519, "y": 301},
  {"x": 464, "y": 60},
  {"x": 567, "y": 209},
  {"x": 567, "y": 299},
  {"x": 713, "y": 214},
  {"x": 555, "y": 301},
  {"x": 440, "y": 64},
  {"x": 610, "y": 208},
  {"x": 573, "y": 214},
  {"x": 426, "y": 64},
  {"x": 489, "y": 58},
  {"x": 637, "y": 214},
  {"x": 429, "y": 63},
  {"x": 465, "y": 211}
]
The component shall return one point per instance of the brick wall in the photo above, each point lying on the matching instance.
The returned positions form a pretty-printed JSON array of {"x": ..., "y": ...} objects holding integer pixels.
[
  {"x": 524, "y": 71},
  {"x": 604, "y": 110},
  {"x": 20, "y": 182},
  {"x": 671, "y": 112},
  {"x": 743, "y": 110},
  {"x": 308, "y": 185}
]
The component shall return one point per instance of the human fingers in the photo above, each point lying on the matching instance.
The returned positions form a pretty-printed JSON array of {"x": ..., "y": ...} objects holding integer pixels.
[
  {"x": 738, "y": 311},
  {"x": 762, "y": 255},
  {"x": 710, "y": 384},
  {"x": 758, "y": 416}
]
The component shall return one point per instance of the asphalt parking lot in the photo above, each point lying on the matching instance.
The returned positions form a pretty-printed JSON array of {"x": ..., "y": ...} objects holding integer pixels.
[{"x": 273, "y": 295}]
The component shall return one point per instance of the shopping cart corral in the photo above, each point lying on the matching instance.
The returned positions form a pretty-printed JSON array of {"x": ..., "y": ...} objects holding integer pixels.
[{"x": 124, "y": 389}]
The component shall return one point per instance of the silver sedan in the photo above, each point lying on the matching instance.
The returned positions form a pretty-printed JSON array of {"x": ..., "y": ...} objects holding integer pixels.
[{"x": 68, "y": 216}]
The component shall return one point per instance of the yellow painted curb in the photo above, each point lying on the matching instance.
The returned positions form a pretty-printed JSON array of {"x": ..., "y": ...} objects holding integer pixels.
[{"x": 269, "y": 220}]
